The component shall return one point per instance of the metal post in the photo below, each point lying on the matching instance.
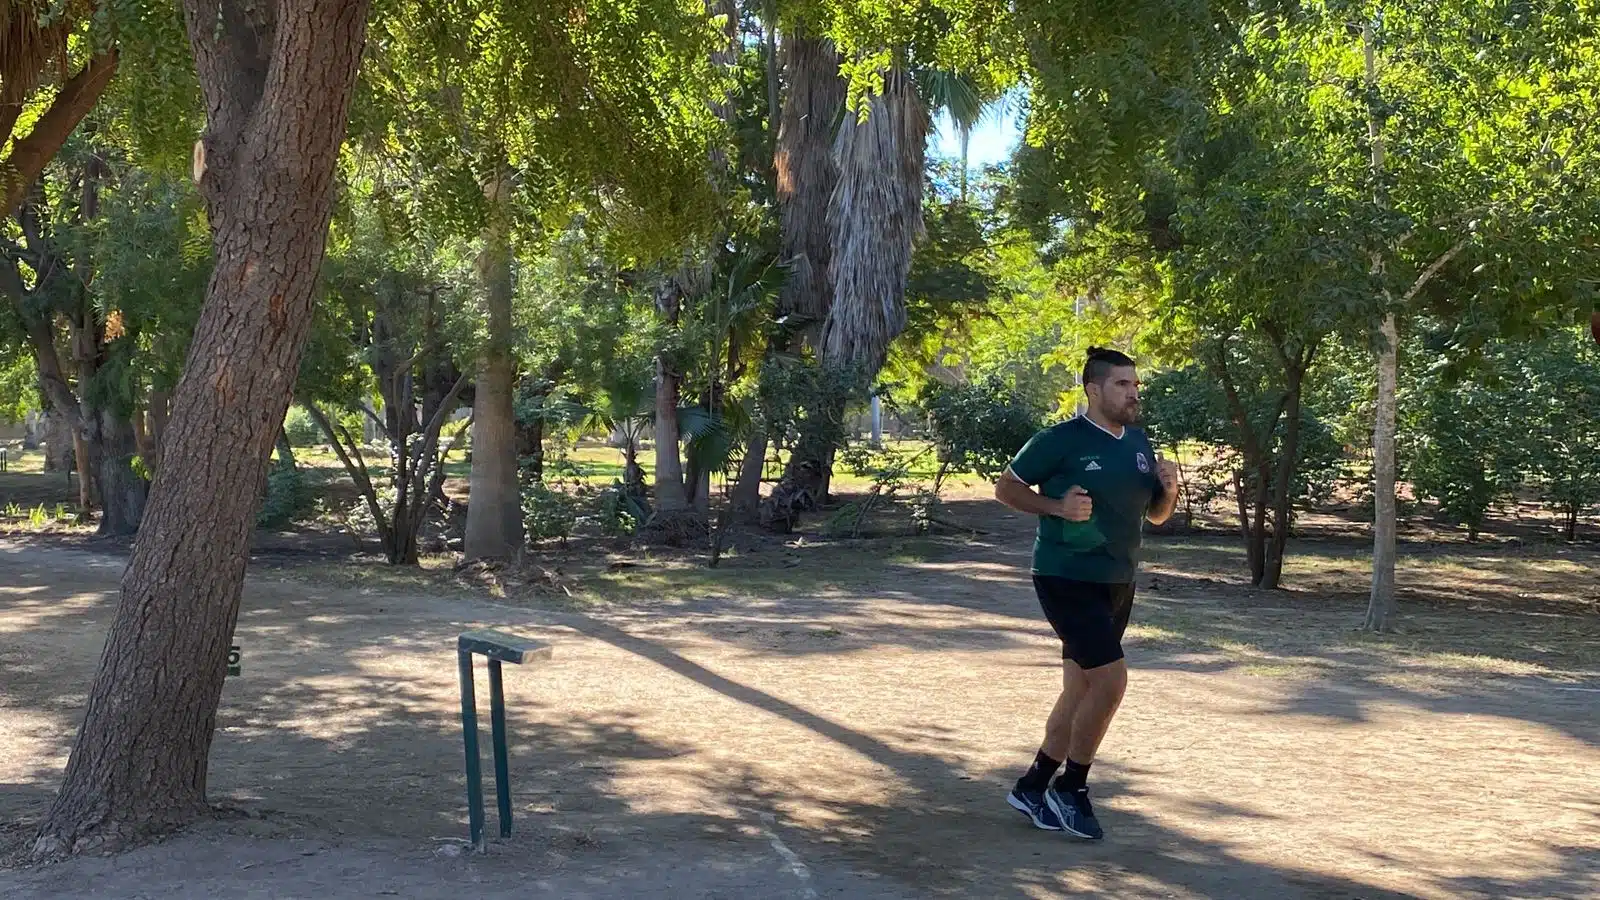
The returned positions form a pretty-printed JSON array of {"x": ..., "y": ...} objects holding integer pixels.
[
  {"x": 469, "y": 737},
  {"x": 502, "y": 763},
  {"x": 498, "y": 647}
]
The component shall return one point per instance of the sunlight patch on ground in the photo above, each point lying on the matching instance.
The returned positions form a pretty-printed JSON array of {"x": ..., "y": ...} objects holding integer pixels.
[{"x": 26, "y": 614}]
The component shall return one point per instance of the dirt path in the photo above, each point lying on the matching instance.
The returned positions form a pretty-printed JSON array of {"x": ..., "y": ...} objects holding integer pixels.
[{"x": 835, "y": 743}]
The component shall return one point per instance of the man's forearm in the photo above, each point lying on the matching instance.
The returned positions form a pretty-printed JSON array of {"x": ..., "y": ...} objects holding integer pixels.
[
  {"x": 1024, "y": 499},
  {"x": 1163, "y": 510}
]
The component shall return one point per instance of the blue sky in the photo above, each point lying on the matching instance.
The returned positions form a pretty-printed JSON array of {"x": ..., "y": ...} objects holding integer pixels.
[{"x": 992, "y": 141}]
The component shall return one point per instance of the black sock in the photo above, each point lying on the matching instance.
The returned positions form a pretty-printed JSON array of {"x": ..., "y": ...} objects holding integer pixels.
[
  {"x": 1038, "y": 777},
  {"x": 1074, "y": 778}
]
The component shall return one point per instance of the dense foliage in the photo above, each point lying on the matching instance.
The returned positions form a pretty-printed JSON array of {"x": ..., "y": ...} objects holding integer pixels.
[{"x": 1237, "y": 194}]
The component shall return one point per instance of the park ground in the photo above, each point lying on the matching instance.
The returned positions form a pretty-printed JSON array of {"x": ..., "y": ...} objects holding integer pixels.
[{"x": 842, "y": 718}]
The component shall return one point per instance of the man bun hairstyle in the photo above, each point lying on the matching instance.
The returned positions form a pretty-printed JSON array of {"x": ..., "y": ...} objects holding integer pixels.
[{"x": 1099, "y": 363}]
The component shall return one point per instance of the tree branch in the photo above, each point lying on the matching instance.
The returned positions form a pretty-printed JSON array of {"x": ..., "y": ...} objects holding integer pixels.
[
  {"x": 31, "y": 154},
  {"x": 357, "y": 467},
  {"x": 436, "y": 477},
  {"x": 42, "y": 340},
  {"x": 371, "y": 414},
  {"x": 1433, "y": 269},
  {"x": 430, "y": 435}
]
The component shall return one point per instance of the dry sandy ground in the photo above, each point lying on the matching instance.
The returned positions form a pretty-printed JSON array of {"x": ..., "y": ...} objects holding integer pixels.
[{"x": 824, "y": 743}]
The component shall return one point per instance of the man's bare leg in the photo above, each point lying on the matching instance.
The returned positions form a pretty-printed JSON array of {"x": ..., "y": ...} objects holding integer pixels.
[
  {"x": 1092, "y": 715},
  {"x": 1068, "y": 796},
  {"x": 1028, "y": 796},
  {"x": 1058, "y": 728}
]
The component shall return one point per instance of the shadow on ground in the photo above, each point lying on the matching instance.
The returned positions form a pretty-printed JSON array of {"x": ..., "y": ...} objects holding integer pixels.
[{"x": 321, "y": 743}]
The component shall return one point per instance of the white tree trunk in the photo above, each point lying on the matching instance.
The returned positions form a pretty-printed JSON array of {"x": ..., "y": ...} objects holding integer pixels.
[{"x": 1380, "y": 609}]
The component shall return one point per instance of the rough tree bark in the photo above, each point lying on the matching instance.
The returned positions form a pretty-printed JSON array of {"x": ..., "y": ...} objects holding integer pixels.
[
  {"x": 57, "y": 441},
  {"x": 494, "y": 500},
  {"x": 276, "y": 79}
]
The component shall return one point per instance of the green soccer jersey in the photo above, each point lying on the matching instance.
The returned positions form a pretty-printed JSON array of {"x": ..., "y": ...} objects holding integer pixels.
[{"x": 1120, "y": 476}]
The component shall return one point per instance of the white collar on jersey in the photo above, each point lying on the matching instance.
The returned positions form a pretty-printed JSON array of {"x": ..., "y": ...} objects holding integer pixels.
[{"x": 1085, "y": 417}]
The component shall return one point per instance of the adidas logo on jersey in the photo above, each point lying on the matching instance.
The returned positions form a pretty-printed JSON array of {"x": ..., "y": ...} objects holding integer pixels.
[{"x": 1092, "y": 467}]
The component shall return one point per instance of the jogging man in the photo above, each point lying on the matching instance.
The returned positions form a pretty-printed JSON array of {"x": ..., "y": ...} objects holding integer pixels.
[{"x": 1097, "y": 481}]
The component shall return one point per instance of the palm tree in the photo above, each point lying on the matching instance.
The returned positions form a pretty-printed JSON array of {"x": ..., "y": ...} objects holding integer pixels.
[{"x": 874, "y": 218}]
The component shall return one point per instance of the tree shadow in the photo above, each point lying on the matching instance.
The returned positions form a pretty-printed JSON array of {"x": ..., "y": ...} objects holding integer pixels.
[{"x": 321, "y": 739}]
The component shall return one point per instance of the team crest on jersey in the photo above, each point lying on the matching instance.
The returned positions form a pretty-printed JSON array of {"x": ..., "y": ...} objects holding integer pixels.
[{"x": 1144, "y": 464}]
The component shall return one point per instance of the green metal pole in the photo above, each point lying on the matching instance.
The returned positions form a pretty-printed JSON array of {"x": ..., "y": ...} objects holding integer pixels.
[
  {"x": 469, "y": 737},
  {"x": 502, "y": 765}
]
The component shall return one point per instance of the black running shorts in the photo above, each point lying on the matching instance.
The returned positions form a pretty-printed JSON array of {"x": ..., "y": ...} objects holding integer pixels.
[{"x": 1088, "y": 617}]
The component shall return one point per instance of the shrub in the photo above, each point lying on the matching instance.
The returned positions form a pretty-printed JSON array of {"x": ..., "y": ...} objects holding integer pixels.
[{"x": 978, "y": 427}]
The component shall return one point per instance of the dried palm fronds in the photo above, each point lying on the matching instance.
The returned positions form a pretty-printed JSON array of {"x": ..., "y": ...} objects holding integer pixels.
[
  {"x": 33, "y": 43},
  {"x": 807, "y": 174},
  {"x": 875, "y": 215}
]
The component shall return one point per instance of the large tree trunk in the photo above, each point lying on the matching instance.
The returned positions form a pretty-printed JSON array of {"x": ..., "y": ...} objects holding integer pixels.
[
  {"x": 277, "y": 79},
  {"x": 494, "y": 502},
  {"x": 807, "y": 174},
  {"x": 1381, "y": 607},
  {"x": 671, "y": 494},
  {"x": 874, "y": 219},
  {"x": 111, "y": 446},
  {"x": 804, "y": 482},
  {"x": 57, "y": 441},
  {"x": 875, "y": 215}
]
